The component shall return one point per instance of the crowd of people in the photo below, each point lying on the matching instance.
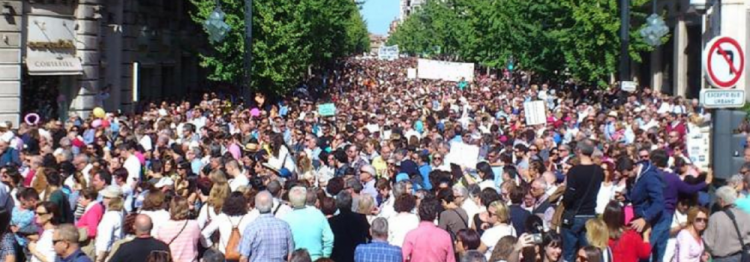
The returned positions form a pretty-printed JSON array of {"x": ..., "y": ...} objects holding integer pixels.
[{"x": 606, "y": 178}]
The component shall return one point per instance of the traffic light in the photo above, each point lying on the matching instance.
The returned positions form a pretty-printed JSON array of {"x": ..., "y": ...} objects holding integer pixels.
[{"x": 728, "y": 147}]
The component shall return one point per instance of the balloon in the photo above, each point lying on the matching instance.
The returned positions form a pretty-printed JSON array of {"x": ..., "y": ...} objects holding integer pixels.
[
  {"x": 105, "y": 123},
  {"x": 97, "y": 123},
  {"x": 255, "y": 112},
  {"x": 99, "y": 112},
  {"x": 32, "y": 119}
]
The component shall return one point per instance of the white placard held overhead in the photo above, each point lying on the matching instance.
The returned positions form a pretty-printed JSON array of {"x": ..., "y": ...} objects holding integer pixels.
[
  {"x": 442, "y": 70},
  {"x": 536, "y": 113}
]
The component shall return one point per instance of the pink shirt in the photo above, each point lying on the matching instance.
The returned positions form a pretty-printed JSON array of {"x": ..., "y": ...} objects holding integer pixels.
[
  {"x": 428, "y": 243},
  {"x": 91, "y": 218},
  {"x": 184, "y": 248}
]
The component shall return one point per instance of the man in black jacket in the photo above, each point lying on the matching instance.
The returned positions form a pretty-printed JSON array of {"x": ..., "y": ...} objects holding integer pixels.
[{"x": 349, "y": 229}]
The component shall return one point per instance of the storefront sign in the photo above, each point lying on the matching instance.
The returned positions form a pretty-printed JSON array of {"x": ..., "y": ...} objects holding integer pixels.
[
  {"x": 51, "y": 46},
  {"x": 54, "y": 66},
  {"x": 59, "y": 44}
]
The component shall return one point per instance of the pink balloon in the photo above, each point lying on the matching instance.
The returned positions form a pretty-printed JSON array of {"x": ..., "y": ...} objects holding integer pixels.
[
  {"x": 97, "y": 123},
  {"x": 255, "y": 112}
]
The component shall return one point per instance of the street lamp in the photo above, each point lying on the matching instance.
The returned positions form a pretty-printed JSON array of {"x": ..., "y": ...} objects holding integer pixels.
[{"x": 217, "y": 30}]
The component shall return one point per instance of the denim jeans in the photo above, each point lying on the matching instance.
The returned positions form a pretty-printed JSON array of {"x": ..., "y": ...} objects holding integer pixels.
[
  {"x": 574, "y": 237},
  {"x": 660, "y": 236}
]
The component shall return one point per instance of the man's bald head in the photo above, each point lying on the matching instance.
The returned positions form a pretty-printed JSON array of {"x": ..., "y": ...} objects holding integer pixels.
[{"x": 142, "y": 225}]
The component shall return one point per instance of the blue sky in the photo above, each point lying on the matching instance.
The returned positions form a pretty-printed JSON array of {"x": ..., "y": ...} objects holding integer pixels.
[{"x": 379, "y": 14}]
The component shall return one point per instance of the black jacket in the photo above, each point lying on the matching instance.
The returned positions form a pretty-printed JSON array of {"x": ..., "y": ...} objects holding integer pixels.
[{"x": 349, "y": 230}]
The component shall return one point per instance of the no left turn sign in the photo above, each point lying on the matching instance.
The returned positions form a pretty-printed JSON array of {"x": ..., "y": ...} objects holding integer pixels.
[{"x": 724, "y": 62}]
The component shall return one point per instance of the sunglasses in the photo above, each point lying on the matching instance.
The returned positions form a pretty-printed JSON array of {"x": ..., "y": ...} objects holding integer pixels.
[
  {"x": 41, "y": 213},
  {"x": 54, "y": 241},
  {"x": 701, "y": 220}
]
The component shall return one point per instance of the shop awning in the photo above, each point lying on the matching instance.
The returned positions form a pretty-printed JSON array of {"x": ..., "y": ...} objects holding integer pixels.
[{"x": 54, "y": 66}]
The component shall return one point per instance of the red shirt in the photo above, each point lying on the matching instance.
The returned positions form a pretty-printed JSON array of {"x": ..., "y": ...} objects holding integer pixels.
[{"x": 630, "y": 247}]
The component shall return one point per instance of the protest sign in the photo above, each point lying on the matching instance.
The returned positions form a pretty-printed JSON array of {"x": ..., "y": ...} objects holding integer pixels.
[
  {"x": 411, "y": 73},
  {"x": 327, "y": 109},
  {"x": 698, "y": 149},
  {"x": 463, "y": 155},
  {"x": 535, "y": 113},
  {"x": 441, "y": 70},
  {"x": 388, "y": 52}
]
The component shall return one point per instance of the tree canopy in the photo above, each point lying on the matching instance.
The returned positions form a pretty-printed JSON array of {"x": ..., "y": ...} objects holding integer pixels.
[
  {"x": 288, "y": 37},
  {"x": 547, "y": 37}
]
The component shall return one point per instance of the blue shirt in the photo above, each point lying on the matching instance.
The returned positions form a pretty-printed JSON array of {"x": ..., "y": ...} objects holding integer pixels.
[
  {"x": 267, "y": 239},
  {"x": 78, "y": 256},
  {"x": 425, "y": 170},
  {"x": 377, "y": 251},
  {"x": 311, "y": 231}
]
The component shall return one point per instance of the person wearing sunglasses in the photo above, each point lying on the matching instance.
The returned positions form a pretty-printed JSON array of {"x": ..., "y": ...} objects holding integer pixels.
[
  {"x": 43, "y": 249},
  {"x": 65, "y": 243},
  {"x": 689, "y": 246}
]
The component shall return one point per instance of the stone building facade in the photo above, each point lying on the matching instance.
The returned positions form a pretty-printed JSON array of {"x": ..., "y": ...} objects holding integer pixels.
[{"x": 62, "y": 56}]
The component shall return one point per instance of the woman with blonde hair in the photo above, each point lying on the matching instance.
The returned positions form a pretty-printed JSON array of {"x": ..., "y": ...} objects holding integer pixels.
[
  {"x": 180, "y": 233},
  {"x": 219, "y": 192},
  {"x": 501, "y": 227},
  {"x": 689, "y": 246},
  {"x": 597, "y": 235},
  {"x": 366, "y": 206}
]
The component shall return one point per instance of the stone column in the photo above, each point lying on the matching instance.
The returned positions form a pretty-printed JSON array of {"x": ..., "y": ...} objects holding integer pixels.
[
  {"x": 657, "y": 75},
  {"x": 11, "y": 31},
  {"x": 129, "y": 49},
  {"x": 88, "y": 15},
  {"x": 113, "y": 32},
  {"x": 680, "y": 59}
]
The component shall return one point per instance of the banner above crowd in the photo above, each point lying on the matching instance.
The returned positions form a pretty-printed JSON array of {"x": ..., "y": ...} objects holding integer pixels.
[
  {"x": 388, "y": 52},
  {"x": 441, "y": 70}
]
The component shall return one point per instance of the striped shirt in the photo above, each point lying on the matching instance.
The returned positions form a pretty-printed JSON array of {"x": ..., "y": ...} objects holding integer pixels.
[{"x": 184, "y": 247}]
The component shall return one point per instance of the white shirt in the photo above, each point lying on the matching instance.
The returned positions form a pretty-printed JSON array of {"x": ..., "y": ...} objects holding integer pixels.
[
  {"x": 224, "y": 224},
  {"x": 282, "y": 210},
  {"x": 158, "y": 217},
  {"x": 45, "y": 246},
  {"x": 606, "y": 194},
  {"x": 108, "y": 231},
  {"x": 471, "y": 208},
  {"x": 494, "y": 234},
  {"x": 134, "y": 168},
  {"x": 399, "y": 225},
  {"x": 205, "y": 214},
  {"x": 386, "y": 209},
  {"x": 238, "y": 181},
  {"x": 145, "y": 142}
]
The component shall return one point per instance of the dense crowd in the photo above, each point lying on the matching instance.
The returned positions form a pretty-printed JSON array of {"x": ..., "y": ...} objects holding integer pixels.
[{"x": 383, "y": 178}]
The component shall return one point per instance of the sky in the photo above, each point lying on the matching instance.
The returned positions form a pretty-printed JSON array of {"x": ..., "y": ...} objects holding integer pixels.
[{"x": 379, "y": 14}]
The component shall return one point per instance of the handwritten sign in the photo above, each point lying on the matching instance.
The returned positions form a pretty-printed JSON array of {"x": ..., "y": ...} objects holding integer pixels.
[{"x": 328, "y": 109}]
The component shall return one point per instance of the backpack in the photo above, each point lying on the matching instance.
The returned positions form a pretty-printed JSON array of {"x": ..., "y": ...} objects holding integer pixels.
[{"x": 231, "y": 252}]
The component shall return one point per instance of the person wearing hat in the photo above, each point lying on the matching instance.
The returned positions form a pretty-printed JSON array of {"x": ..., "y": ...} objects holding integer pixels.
[
  {"x": 110, "y": 228},
  {"x": 610, "y": 128}
]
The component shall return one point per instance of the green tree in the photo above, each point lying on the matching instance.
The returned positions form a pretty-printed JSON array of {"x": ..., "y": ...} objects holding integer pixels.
[
  {"x": 288, "y": 37},
  {"x": 546, "y": 37}
]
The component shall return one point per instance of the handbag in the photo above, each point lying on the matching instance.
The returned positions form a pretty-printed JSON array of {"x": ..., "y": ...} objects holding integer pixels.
[
  {"x": 568, "y": 218},
  {"x": 743, "y": 253}
]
